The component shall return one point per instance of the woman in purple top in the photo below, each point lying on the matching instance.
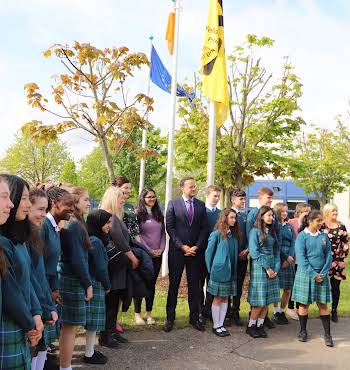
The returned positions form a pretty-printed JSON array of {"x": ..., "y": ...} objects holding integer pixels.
[{"x": 152, "y": 234}]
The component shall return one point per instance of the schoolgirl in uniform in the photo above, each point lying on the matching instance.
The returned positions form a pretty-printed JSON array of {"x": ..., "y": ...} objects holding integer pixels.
[
  {"x": 265, "y": 264},
  {"x": 221, "y": 259},
  {"x": 313, "y": 253},
  {"x": 98, "y": 224},
  {"x": 75, "y": 281},
  {"x": 286, "y": 273},
  {"x": 22, "y": 313},
  {"x": 36, "y": 217}
]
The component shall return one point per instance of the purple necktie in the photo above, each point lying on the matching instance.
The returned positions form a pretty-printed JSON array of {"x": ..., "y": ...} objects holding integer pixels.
[{"x": 190, "y": 211}]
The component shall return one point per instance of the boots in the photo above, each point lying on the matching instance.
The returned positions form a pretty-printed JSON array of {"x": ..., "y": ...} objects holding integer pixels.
[
  {"x": 326, "y": 322},
  {"x": 302, "y": 336}
]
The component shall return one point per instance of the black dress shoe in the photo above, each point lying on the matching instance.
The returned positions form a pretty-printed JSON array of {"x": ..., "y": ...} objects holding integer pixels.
[
  {"x": 302, "y": 336},
  {"x": 97, "y": 358},
  {"x": 261, "y": 331},
  {"x": 51, "y": 362},
  {"x": 168, "y": 326},
  {"x": 108, "y": 341},
  {"x": 218, "y": 332},
  {"x": 278, "y": 319},
  {"x": 225, "y": 332},
  {"x": 268, "y": 323},
  {"x": 117, "y": 336},
  {"x": 284, "y": 319},
  {"x": 251, "y": 330},
  {"x": 197, "y": 325},
  {"x": 328, "y": 340}
]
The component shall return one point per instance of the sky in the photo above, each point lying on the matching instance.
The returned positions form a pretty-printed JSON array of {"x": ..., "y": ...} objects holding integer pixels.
[{"x": 313, "y": 33}]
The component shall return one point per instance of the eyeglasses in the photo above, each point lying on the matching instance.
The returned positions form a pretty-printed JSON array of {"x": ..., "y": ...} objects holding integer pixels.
[{"x": 151, "y": 197}]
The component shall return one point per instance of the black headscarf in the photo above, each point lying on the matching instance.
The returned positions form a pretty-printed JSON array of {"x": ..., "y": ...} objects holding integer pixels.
[
  {"x": 94, "y": 223},
  {"x": 16, "y": 231}
]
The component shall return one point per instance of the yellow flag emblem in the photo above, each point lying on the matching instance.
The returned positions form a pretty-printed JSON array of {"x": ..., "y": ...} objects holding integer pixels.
[{"x": 213, "y": 63}]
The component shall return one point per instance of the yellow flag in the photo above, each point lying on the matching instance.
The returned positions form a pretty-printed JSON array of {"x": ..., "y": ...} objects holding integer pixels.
[
  {"x": 213, "y": 63},
  {"x": 170, "y": 31}
]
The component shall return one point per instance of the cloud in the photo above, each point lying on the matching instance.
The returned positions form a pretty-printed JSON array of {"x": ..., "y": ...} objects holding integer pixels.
[{"x": 312, "y": 33}]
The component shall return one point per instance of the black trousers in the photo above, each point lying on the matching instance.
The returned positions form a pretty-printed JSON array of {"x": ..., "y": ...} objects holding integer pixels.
[
  {"x": 177, "y": 262},
  {"x": 157, "y": 263},
  {"x": 112, "y": 305},
  {"x": 236, "y": 300},
  {"x": 291, "y": 303},
  {"x": 335, "y": 284}
]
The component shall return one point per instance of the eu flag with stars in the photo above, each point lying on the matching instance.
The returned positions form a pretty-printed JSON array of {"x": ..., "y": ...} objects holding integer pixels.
[{"x": 161, "y": 77}]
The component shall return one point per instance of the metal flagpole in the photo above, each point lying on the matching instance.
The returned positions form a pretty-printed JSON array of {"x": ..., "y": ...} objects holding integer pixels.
[
  {"x": 211, "y": 144},
  {"x": 144, "y": 131},
  {"x": 172, "y": 116}
]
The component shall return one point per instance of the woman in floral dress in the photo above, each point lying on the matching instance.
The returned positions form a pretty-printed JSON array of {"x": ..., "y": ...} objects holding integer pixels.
[{"x": 338, "y": 237}]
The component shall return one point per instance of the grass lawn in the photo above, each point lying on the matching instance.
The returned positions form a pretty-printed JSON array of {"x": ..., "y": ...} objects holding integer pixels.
[{"x": 127, "y": 318}]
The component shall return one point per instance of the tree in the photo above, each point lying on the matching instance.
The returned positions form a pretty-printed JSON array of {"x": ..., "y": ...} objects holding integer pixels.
[
  {"x": 262, "y": 120},
  {"x": 69, "y": 173},
  {"x": 319, "y": 163},
  {"x": 91, "y": 96},
  {"x": 95, "y": 177},
  {"x": 35, "y": 161}
]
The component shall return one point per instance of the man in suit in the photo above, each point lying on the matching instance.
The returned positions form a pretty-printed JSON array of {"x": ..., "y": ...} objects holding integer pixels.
[
  {"x": 238, "y": 200},
  {"x": 186, "y": 224},
  {"x": 212, "y": 198}
]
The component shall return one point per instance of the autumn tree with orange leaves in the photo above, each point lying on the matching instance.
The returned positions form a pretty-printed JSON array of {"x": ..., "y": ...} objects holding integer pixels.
[{"x": 91, "y": 95}]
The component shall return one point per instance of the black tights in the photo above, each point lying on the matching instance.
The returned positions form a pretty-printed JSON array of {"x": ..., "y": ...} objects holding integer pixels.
[
  {"x": 291, "y": 303},
  {"x": 335, "y": 284}
]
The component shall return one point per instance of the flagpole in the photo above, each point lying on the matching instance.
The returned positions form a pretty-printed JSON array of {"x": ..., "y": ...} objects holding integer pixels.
[
  {"x": 211, "y": 144},
  {"x": 172, "y": 116},
  {"x": 144, "y": 131}
]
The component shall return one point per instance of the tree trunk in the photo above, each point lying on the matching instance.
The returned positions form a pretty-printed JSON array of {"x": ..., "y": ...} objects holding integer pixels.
[
  {"x": 239, "y": 181},
  {"x": 108, "y": 158},
  {"x": 322, "y": 201}
]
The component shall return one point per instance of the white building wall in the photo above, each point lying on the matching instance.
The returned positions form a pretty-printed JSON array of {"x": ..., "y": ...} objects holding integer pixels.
[{"x": 342, "y": 200}]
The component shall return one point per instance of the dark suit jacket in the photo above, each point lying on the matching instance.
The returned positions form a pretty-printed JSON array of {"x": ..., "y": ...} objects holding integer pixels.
[{"x": 178, "y": 225}]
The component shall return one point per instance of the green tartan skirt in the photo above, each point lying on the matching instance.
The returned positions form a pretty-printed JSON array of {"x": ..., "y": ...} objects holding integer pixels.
[
  {"x": 14, "y": 349},
  {"x": 307, "y": 291},
  {"x": 286, "y": 277},
  {"x": 226, "y": 289},
  {"x": 262, "y": 290},
  {"x": 51, "y": 333},
  {"x": 73, "y": 305},
  {"x": 96, "y": 309}
]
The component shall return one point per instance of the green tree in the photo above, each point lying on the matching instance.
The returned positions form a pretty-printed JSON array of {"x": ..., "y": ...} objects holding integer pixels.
[
  {"x": 262, "y": 120},
  {"x": 35, "y": 161},
  {"x": 90, "y": 95},
  {"x": 69, "y": 173},
  {"x": 319, "y": 163}
]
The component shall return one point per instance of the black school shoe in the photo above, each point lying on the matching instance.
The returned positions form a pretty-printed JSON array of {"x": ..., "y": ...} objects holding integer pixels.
[
  {"x": 328, "y": 340},
  {"x": 97, "y": 359},
  {"x": 302, "y": 336},
  {"x": 107, "y": 340},
  {"x": 268, "y": 323},
  {"x": 280, "y": 318},
  {"x": 226, "y": 333},
  {"x": 261, "y": 332},
  {"x": 334, "y": 316},
  {"x": 51, "y": 362},
  {"x": 252, "y": 331},
  {"x": 117, "y": 336},
  {"x": 218, "y": 332}
]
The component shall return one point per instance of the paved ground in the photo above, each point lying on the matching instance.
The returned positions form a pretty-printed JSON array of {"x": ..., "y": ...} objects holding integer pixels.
[{"x": 187, "y": 349}]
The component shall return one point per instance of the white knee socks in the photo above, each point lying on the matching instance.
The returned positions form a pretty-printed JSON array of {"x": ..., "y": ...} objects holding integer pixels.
[
  {"x": 41, "y": 359},
  {"x": 215, "y": 312},
  {"x": 223, "y": 310},
  {"x": 90, "y": 343}
]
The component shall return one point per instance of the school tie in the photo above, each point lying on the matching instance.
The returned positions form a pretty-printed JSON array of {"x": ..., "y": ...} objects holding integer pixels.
[{"x": 190, "y": 211}]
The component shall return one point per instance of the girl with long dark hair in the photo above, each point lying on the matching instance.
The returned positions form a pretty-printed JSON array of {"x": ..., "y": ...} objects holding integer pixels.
[
  {"x": 98, "y": 224},
  {"x": 75, "y": 281},
  {"x": 311, "y": 284},
  {"x": 16, "y": 233},
  {"x": 286, "y": 273},
  {"x": 265, "y": 264},
  {"x": 37, "y": 214},
  {"x": 152, "y": 236},
  {"x": 221, "y": 258}
]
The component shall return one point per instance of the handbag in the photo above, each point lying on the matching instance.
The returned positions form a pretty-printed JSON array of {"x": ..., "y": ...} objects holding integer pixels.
[{"x": 116, "y": 258}]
